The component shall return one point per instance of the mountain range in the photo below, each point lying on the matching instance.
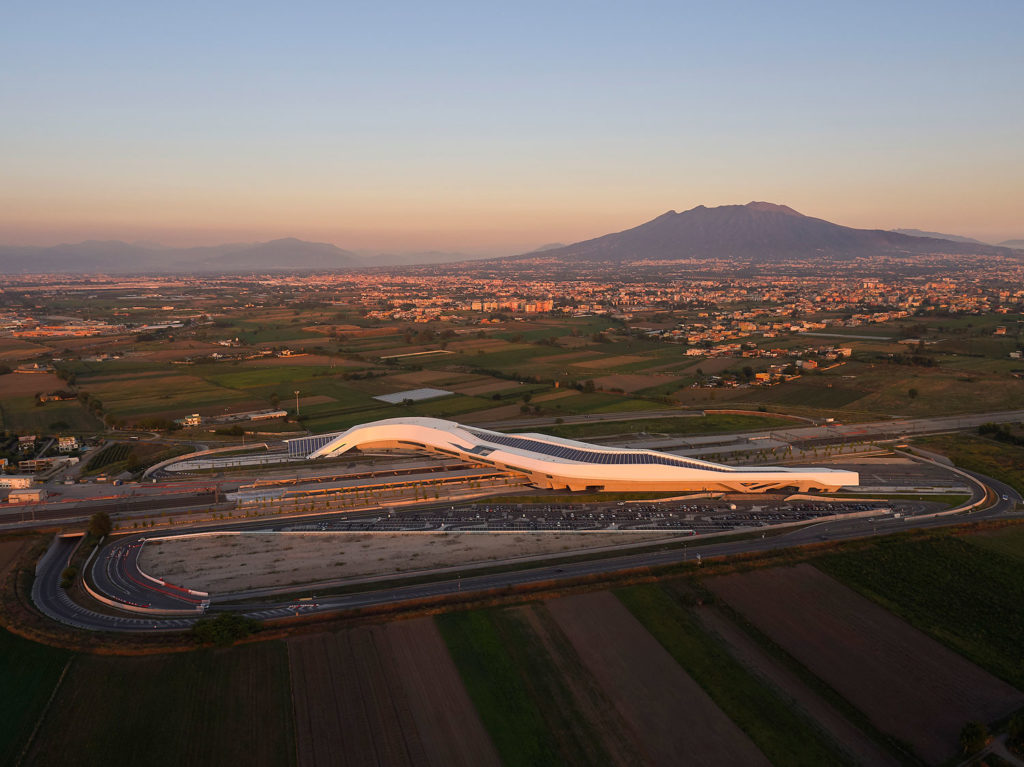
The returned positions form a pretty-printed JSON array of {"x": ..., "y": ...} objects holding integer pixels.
[
  {"x": 756, "y": 232},
  {"x": 114, "y": 256}
]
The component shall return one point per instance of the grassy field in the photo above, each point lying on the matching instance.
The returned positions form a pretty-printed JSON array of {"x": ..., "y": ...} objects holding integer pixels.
[
  {"x": 996, "y": 459},
  {"x": 1009, "y": 541},
  {"x": 708, "y": 424},
  {"x": 785, "y": 736},
  {"x": 22, "y": 415},
  {"x": 198, "y": 708},
  {"x": 28, "y": 675},
  {"x": 965, "y": 596},
  {"x": 479, "y": 644}
]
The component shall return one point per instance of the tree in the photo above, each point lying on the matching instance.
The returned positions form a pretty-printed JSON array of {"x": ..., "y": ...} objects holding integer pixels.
[
  {"x": 225, "y": 629},
  {"x": 912, "y": 393},
  {"x": 100, "y": 525},
  {"x": 973, "y": 737},
  {"x": 67, "y": 577}
]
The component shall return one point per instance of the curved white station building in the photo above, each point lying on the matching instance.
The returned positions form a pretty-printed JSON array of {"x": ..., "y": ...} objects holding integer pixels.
[{"x": 552, "y": 462}]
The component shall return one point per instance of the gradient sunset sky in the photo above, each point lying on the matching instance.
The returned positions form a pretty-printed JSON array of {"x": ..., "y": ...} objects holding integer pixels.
[{"x": 491, "y": 128}]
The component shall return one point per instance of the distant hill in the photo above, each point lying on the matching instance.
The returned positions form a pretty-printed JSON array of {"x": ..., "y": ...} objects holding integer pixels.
[
  {"x": 939, "y": 236},
  {"x": 758, "y": 232},
  {"x": 1013, "y": 244},
  {"x": 122, "y": 257}
]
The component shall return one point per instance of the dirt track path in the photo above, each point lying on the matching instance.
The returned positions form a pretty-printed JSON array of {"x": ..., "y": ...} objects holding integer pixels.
[
  {"x": 674, "y": 718},
  {"x": 859, "y": 746}
]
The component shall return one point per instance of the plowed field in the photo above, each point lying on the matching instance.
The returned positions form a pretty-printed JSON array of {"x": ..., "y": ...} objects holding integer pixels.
[
  {"x": 385, "y": 695},
  {"x": 675, "y": 719},
  {"x": 907, "y": 684}
]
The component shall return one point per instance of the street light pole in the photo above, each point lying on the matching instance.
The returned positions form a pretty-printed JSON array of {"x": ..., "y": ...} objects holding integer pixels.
[{"x": 296, "y": 402}]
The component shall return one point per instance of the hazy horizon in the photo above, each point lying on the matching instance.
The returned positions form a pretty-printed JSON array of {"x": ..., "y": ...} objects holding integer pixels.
[{"x": 458, "y": 127}]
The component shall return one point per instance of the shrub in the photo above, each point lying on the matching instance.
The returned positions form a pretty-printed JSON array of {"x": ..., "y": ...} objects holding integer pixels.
[{"x": 224, "y": 629}]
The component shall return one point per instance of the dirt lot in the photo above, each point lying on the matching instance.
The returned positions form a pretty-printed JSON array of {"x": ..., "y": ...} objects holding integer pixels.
[
  {"x": 231, "y": 562},
  {"x": 383, "y": 695},
  {"x": 907, "y": 684},
  {"x": 667, "y": 710}
]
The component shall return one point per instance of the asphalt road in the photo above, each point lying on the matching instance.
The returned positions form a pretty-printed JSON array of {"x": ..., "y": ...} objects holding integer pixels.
[{"x": 116, "y": 568}]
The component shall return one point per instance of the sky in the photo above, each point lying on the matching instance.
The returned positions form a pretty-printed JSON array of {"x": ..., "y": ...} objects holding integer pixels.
[{"x": 492, "y": 128}]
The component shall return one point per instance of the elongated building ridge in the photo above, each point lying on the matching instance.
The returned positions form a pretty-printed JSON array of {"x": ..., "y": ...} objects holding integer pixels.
[{"x": 565, "y": 464}]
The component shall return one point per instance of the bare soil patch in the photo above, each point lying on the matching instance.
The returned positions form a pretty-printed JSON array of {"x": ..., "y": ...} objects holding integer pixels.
[
  {"x": 672, "y": 716},
  {"x": 420, "y": 376},
  {"x": 609, "y": 362},
  {"x": 386, "y": 695},
  {"x": 859, "y": 746},
  {"x": 230, "y": 562},
  {"x": 632, "y": 382},
  {"x": 346, "y": 712},
  {"x": 22, "y": 384},
  {"x": 485, "y": 387},
  {"x": 909, "y": 685},
  {"x": 450, "y": 728},
  {"x": 9, "y": 551},
  {"x": 317, "y": 399},
  {"x": 571, "y": 356},
  {"x": 12, "y": 349},
  {"x": 500, "y": 413},
  {"x": 561, "y": 394}
]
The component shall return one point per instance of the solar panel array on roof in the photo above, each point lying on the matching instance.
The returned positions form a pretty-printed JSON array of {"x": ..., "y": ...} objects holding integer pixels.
[{"x": 590, "y": 456}]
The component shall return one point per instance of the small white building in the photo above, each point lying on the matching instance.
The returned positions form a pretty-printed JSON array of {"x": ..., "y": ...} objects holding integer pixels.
[
  {"x": 67, "y": 444},
  {"x": 28, "y": 495},
  {"x": 15, "y": 481}
]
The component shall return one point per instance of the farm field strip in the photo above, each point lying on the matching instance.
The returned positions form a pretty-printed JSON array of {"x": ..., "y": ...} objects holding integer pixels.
[
  {"x": 574, "y": 693},
  {"x": 211, "y": 707},
  {"x": 785, "y": 735},
  {"x": 962, "y": 595},
  {"x": 664, "y": 705},
  {"x": 346, "y": 713},
  {"x": 861, "y": 748},
  {"x": 385, "y": 694},
  {"x": 498, "y": 689},
  {"x": 907, "y": 684}
]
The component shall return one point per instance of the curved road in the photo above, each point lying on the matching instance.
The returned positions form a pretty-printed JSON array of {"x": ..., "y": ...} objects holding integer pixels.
[{"x": 115, "y": 572}]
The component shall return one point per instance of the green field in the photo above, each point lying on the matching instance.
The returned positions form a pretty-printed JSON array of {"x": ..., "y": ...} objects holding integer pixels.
[
  {"x": 210, "y": 707},
  {"x": 22, "y": 415},
  {"x": 785, "y": 736},
  {"x": 1009, "y": 541},
  {"x": 708, "y": 424},
  {"x": 479, "y": 644},
  {"x": 28, "y": 676},
  {"x": 996, "y": 459},
  {"x": 962, "y": 594}
]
